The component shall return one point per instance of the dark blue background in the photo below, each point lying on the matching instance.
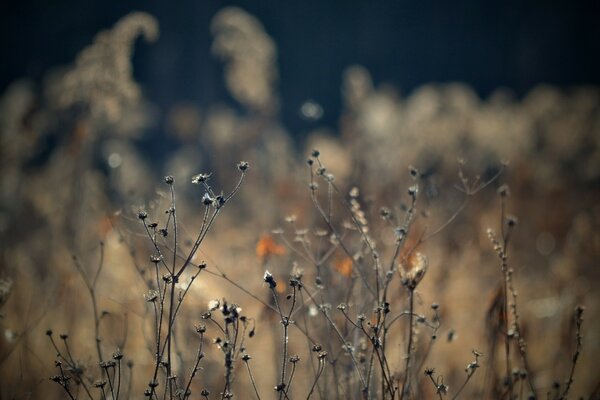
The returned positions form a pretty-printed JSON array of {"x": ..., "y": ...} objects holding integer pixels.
[{"x": 511, "y": 43}]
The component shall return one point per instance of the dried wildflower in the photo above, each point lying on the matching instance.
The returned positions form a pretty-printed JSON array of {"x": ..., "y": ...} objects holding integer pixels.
[
  {"x": 442, "y": 389},
  {"x": 280, "y": 387},
  {"x": 385, "y": 213},
  {"x": 118, "y": 355},
  {"x": 100, "y": 384},
  {"x": 151, "y": 296},
  {"x": 243, "y": 166},
  {"x": 268, "y": 278},
  {"x": 413, "y": 190},
  {"x": 200, "y": 178},
  {"x": 214, "y": 304},
  {"x": 504, "y": 191},
  {"x": 207, "y": 200},
  {"x": 414, "y": 173},
  {"x": 142, "y": 215},
  {"x": 169, "y": 180},
  {"x": 400, "y": 233},
  {"x": 414, "y": 269}
]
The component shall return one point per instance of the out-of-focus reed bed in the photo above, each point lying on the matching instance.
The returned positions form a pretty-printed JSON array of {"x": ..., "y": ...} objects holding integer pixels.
[{"x": 358, "y": 253}]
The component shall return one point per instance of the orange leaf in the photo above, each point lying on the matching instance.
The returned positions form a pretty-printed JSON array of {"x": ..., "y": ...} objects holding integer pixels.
[
  {"x": 266, "y": 246},
  {"x": 344, "y": 266}
]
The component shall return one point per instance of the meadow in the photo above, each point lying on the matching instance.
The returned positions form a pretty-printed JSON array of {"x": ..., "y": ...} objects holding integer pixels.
[{"x": 438, "y": 245}]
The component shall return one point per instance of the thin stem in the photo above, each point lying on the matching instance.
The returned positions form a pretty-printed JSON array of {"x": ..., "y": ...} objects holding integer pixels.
[
  {"x": 410, "y": 340},
  {"x": 252, "y": 380},
  {"x": 578, "y": 339},
  {"x": 319, "y": 372},
  {"x": 199, "y": 357}
]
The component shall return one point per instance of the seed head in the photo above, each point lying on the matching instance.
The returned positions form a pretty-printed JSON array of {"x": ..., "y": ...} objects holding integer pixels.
[{"x": 243, "y": 166}]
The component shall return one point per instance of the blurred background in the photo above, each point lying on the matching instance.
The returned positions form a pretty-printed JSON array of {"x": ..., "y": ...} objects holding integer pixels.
[{"x": 98, "y": 102}]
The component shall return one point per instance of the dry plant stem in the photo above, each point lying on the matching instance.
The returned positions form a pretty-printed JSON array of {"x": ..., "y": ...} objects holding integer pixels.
[
  {"x": 252, "y": 379},
  {"x": 578, "y": 339},
  {"x": 339, "y": 334},
  {"x": 174, "y": 275},
  {"x": 199, "y": 357},
  {"x": 309, "y": 343},
  {"x": 222, "y": 275},
  {"x": 429, "y": 346},
  {"x": 174, "y": 280},
  {"x": 436, "y": 385},
  {"x": 291, "y": 378},
  {"x": 71, "y": 364},
  {"x": 285, "y": 322},
  {"x": 337, "y": 236},
  {"x": 409, "y": 346},
  {"x": 65, "y": 385},
  {"x": 464, "y": 384},
  {"x": 119, "y": 376},
  {"x": 130, "y": 383},
  {"x": 103, "y": 392},
  {"x": 170, "y": 328},
  {"x": 319, "y": 372},
  {"x": 521, "y": 341},
  {"x": 504, "y": 265},
  {"x": 91, "y": 286}
]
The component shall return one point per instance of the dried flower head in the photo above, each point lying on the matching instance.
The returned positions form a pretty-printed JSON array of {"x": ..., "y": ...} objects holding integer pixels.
[
  {"x": 200, "y": 178},
  {"x": 413, "y": 269}
]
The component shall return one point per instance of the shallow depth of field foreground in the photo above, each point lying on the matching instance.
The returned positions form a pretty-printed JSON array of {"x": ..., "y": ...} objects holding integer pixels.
[{"x": 437, "y": 245}]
